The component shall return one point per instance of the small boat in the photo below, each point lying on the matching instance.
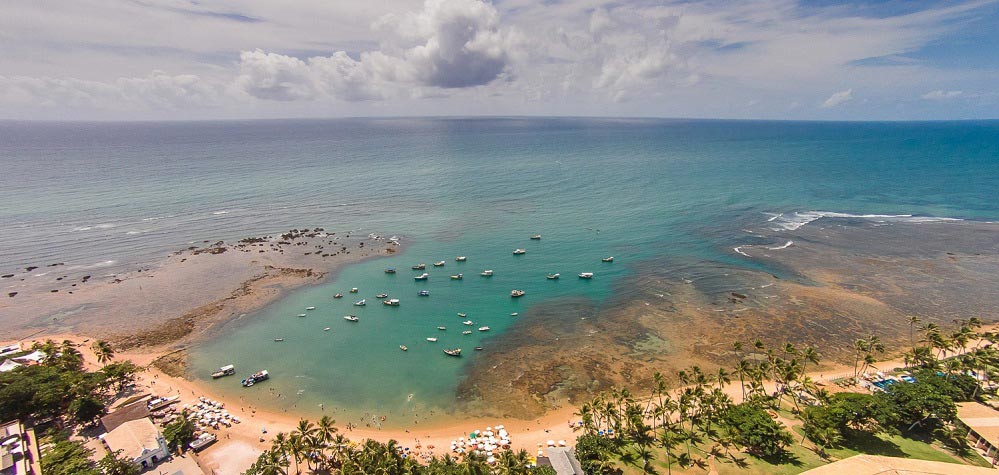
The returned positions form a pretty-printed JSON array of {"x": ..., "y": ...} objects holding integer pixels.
[
  {"x": 419, "y": 267},
  {"x": 462, "y": 314},
  {"x": 391, "y": 302},
  {"x": 518, "y": 252},
  {"x": 514, "y": 314},
  {"x": 353, "y": 290},
  {"x": 390, "y": 270},
  {"x": 585, "y": 275},
  {"x": 361, "y": 303},
  {"x": 255, "y": 378},
  {"x": 423, "y": 276},
  {"x": 279, "y": 339},
  {"x": 338, "y": 296},
  {"x": 326, "y": 329},
  {"x": 457, "y": 277},
  {"x": 381, "y": 296},
  {"x": 487, "y": 273},
  {"x": 403, "y": 347},
  {"x": 483, "y": 329},
  {"x": 453, "y": 352},
  {"x": 468, "y": 322},
  {"x": 350, "y": 318},
  {"x": 517, "y": 293},
  {"x": 478, "y": 348},
  {"x": 439, "y": 263},
  {"x": 536, "y": 237},
  {"x": 310, "y": 308},
  {"x": 431, "y": 339},
  {"x": 607, "y": 259},
  {"x": 466, "y": 332},
  {"x": 554, "y": 276},
  {"x": 301, "y": 315},
  {"x": 424, "y": 293},
  {"x": 442, "y": 328},
  {"x": 226, "y": 370},
  {"x": 461, "y": 258}
]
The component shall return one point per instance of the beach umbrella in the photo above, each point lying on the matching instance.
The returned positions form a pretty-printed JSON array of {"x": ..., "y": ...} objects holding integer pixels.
[
  {"x": 561, "y": 443},
  {"x": 551, "y": 443}
]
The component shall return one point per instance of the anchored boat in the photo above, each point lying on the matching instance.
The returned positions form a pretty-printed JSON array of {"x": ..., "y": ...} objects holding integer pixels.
[
  {"x": 255, "y": 378},
  {"x": 350, "y": 318},
  {"x": 423, "y": 276},
  {"x": 585, "y": 275},
  {"x": 518, "y": 252},
  {"x": 419, "y": 267},
  {"x": 391, "y": 302},
  {"x": 361, "y": 303},
  {"x": 517, "y": 293},
  {"x": 487, "y": 273},
  {"x": 453, "y": 352},
  {"x": 227, "y": 370}
]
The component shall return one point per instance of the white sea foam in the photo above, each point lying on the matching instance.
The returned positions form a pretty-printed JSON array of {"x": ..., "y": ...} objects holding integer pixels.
[
  {"x": 793, "y": 221},
  {"x": 96, "y": 226},
  {"x": 784, "y": 246},
  {"x": 218, "y": 213},
  {"x": 738, "y": 249},
  {"x": 92, "y": 266}
]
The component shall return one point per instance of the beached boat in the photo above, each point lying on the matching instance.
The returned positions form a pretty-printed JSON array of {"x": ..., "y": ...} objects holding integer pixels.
[
  {"x": 462, "y": 314},
  {"x": 457, "y": 277},
  {"x": 279, "y": 340},
  {"x": 391, "y": 302},
  {"x": 487, "y": 273},
  {"x": 419, "y": 267},
  {"x": 518, "y": 252},
  {"x": 381, "y": 295},
  {"x": 553, "y": 276},
  {"x": 403, "y": 347},
  {"x": 431, "y": 339},
  {"x": 468, "y": 322},
  {"x": 442, "y": 328},
  {"x": 439, "y": 263},
  {"x": 453, "y": 352},
  {"x": 390, "y": 270},
  {"x": 461, "y": 258},
  {"x": 227, "y": 370},
  {"x": 255, "y": 378},
  {"x": 350, "y": 318},
  {"x": 608, "y": 259},
  {"x": 585, "y": 275},
  {"x": 204, "y": 440},
  {"x": 353, "y": 290},
  {"x": 517, "y": 293},
  {"x": 483, "y": 329},
  {"x": 466, "y": 332},
  {"x": 301, "y": 315},
  {"x": 424, "y": 293},
  {"x": 310, "y": 308},
  {"x": 536, "y": 237},
  {"x": 338, "y": 296},
  {"x": 423, "y": 276},
  {"x": 361, "y": 303}
]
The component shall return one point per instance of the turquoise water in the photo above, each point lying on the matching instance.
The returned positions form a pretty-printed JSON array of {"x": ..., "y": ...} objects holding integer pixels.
[{"x": 110, "y": 196}]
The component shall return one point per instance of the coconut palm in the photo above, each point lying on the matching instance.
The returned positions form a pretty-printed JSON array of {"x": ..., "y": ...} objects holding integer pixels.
[{"x": 103, "y": 351}]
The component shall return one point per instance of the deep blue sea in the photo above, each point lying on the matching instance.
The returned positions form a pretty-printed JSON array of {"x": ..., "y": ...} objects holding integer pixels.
[{"x": 109, "y": 196}]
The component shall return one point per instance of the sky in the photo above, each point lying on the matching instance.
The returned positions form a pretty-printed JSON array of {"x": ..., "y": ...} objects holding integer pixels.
[{"x": 764, "y": 59}]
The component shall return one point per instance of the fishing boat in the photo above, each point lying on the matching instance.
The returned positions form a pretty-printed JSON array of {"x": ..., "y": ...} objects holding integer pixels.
[
  {"x": 478, "y": 348},
  {"x": 483, "y": 329},
  {"x": 310, "y": 308},
  {"x": 585, "y": 275},
  {"x": 419, "y": 267},
  {"x": 353, "y": 290},
  {"x": 439, "y": 263},
  {"x": 468, "y": 322},
  {"x": 424, "y": 293},
  {"x": 301, "y": 315},
  {"x": 461, "y": 258},
  {"x": 431, "y": 339},
  {"x": 391, "y": 302},
  {"x": 466, "y": 332},
  {"x": 381, "y": 296},
  {"x": 457, "y": 277},
  {"x": 361, "y": 303},
  {"x": 255, "y": 378},
  {"x": 350, "y": 318},
  {"x": 487, "y": 273},
  {"x": 279, "y": 340},
  {"x": 390, "y": 270},
  {"x": 453, "y": 352},
  {"x": 517, "y": 293},
  {"x": 442, "y": 328},
  {"x": 227, "y": 370},
  {"x": 518, "y": 252},
  {"x": 536, "y": 237},
  {"x": 553, "y": 276},
  {"x": 403, "y": 347},
  {"x": 338, "y": 296},
  {"x": 462, "y": 314},
  {"x": 326, "y": 329},
  {"x": 423, "y": 276},
  {"x": 608, "y": 259}
]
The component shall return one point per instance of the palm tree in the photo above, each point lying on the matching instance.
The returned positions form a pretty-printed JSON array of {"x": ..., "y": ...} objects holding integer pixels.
[
  {"x": 296, "y": 448},
  {"x": 722, "y": 377},
  {"x": 743, "y": 367},
  {"x": 103, "y": 351},
  {"x": 913, "y": 321},
  {"x": 809, "y": 355}
]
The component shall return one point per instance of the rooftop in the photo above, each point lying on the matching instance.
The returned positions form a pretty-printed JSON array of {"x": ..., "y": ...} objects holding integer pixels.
[
  {"x": 980, "y": 418},
  {"x": 879, "y": 465},
  {"x": 133, "y": 437}
]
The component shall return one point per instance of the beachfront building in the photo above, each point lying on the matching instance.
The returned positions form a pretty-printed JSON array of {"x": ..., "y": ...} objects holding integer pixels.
[
  {"x": 140, "y": 441},
  {"x": 18, "y": 450},
  {"x": 982, "y": 423},
  {"x": 562, "y": 460}
]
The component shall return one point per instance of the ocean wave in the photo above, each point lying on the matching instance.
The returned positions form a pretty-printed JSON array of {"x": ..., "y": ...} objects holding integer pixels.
[
  {"x": 793, "y": 221},
  {"x": 784, "y": 246},
  {"x": 219, "y": 213},
  {"x": 96, "y": 226},
  {"x": 738, "y": 249},
  {"x": 93, "y": 266}
]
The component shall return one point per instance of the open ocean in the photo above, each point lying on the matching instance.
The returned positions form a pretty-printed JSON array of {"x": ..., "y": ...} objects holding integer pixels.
[{"x": 105, "y": 197}]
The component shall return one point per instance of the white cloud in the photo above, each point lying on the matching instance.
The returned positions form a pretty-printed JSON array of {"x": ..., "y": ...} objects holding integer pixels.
[
  {"x": 837, "y": 98},
  {"x": 940, "y": 95},
  {"x": 158, "y": 90}
]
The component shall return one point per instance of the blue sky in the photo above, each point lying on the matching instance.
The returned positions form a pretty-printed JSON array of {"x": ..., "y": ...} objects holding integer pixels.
[{"x": 770, "y": 59}]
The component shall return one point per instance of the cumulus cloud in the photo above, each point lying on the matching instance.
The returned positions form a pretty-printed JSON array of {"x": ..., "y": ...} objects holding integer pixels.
[
  {"x": 940, "y": 95},
  {"x": 449, "y": 44},
  {"x": 837, "y": 98},
  {"x": 158, "y": 90}
]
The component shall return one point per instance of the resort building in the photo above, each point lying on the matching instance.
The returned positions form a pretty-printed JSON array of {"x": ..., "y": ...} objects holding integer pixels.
[
  {"x": 562, "y": 460},
  {"x": 879, "y": 465},
  {"x": 18, "y": 450},
  {"x": 129, "y": 412},
  {"x": 140, "y": 441},
  {"x": 982, "y": 423}
]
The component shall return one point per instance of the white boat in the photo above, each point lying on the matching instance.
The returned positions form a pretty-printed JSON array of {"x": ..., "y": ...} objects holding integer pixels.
[
  {"x": 255, "y": 378},
  {"x": 350, "y": 318},
  {"x": 466, "y": 332},
  {"x": 353, "y": 290},
  {"x": 554, "y": 276},
  {"x": 424, "y": 293},
  {"x": 517, "y": 293},
  {"x": 439, "y": 263},
  {"x": 518, "y": 252},
  {"x": 431, "y": 339},
  {"x": 487, "y": 273},
  {"x": 461, "y": 258},
  {"x": 279, "y": 340},
  {"x": 457, "y": 277},
  {"x": 301, "y": 315},
  {"x": 326, "y": 329},
  {"x": 391, "y": 302},
  {"x": 608, "y": 259},
  {"x": 423, "y": 276},
  {"x": 403, "y": 347},
  {"x": 338, "y": 296},
  {"x": 381, "y": 295},
  {"x": 468, "y": 322},
  {"x": 514, "y": 314},
  {"x": 462, "y": 314},
  {"x": 483, "y": 329},
  {"x": 585, "y": 275},
  {"x": 536, "y": 237},
  {"x": 226, "y": 370},
  {"x": 310, "y": 308},
  {"x": 453, "y": 352},
  {"x": 442, "y": 328},
  {"x": 361, "y": 303},
  {"x": 419, "y": 267}
]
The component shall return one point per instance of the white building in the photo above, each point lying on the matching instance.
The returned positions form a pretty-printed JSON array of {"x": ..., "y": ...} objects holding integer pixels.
[{"x": 140, "y": 441}]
